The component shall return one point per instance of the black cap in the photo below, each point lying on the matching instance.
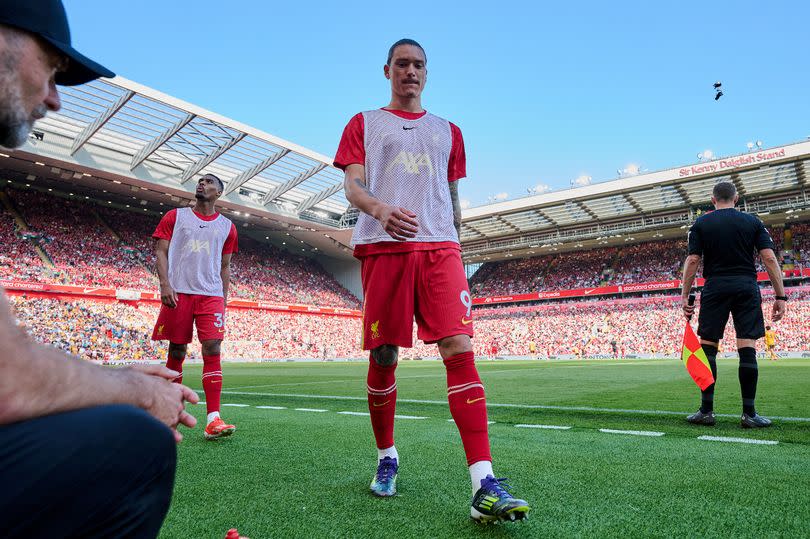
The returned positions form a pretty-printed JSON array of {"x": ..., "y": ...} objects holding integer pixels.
[{"x": 48, "y": 20}]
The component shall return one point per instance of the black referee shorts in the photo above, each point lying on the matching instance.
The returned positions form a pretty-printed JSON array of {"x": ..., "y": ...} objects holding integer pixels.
[{"x": 738, "y": 296}]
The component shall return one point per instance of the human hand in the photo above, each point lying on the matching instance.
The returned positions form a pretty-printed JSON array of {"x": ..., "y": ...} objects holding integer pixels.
[
  {"x": 168, "y": 297},
  {"x": 688, "y": 310},
  {"x": 161, "y": 398},
  {"x": 399, "y": 223},
  {"x": 779, "y": 309}
]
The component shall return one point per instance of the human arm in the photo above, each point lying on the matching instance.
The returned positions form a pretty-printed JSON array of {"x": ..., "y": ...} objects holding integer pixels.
[
  {"x": 37, "y": 380},
  {"x": 775, "y": 273},
  {"x": 225, "y": 274},
  {"x": 456, "y": 207},
  {"x": 690, "y": 267},
  {"x": 399, "y": 223},
  {"x": 167, "y": 295}
]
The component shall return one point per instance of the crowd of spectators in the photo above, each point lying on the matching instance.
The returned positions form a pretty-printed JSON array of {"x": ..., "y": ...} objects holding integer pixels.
[
  {"x": 636, "y": 263},
  {"x": 84, "y": 251},
  {"x": 649, "y": 262},
  {"x": 603, "y": 328},
  {"x": 548, "y": 272},
  {"x": 109, "y": 331},
  {"x": 18, "y": 258},
  {"x": 91, "y": 245},
  {"x": 265, "y": 272}
]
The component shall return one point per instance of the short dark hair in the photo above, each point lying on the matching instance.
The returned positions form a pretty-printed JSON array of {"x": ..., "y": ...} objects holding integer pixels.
[
  {"x": 724, "y": 191},
  {"x": 404, "y": 41},
  {"x": 221, "y": 185}
]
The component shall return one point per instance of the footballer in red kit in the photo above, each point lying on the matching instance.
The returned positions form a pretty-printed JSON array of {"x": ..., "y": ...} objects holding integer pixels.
[
  {"x": 402, "y": 165},
  {"x": 194, "y": 248}
]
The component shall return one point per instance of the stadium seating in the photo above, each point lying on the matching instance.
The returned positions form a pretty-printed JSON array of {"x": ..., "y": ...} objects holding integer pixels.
[
  {"x": 91, "y": 245},
  {"x": 636, "y": 263},
  {"x": 115, "y": 331}
]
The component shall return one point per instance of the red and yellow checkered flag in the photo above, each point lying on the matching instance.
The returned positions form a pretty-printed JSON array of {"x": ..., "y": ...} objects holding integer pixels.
[{"x": 694, "y": 359}]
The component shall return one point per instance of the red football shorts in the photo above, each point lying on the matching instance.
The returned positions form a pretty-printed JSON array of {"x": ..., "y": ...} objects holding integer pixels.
[
  {"x": 176, "y": 325},
  {"x": 428, "y": 285}
]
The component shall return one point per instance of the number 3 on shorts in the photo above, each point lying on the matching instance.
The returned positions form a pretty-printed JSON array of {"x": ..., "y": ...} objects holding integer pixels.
[{"x": 220, "y": 320}]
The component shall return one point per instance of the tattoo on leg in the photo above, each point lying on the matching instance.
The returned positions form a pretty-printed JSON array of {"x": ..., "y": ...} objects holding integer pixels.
[
  {"x": 385, "y": 355},
  {"x": 177, "y": 351}
]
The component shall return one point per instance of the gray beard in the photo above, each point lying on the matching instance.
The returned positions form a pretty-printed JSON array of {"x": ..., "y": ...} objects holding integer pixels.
[
  {"x": 15, "y": 124},
  {"x": 14, "y": 129}
]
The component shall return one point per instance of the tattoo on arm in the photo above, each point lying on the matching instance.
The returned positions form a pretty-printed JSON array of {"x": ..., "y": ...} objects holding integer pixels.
[
  {"x": 456, "y": 207},
  {"x": 362, "y": 186}
]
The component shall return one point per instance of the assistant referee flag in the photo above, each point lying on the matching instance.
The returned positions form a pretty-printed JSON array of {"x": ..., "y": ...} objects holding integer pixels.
[{"x": 694, "y": 359}]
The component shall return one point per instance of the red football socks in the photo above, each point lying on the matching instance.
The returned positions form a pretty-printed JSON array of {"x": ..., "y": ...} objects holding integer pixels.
[
  {"x": 176, "y": 365},
  {"x": 381, "y": 385},
  {"x": 468, "y": 405},
  {"x": 212, "y": 382}
]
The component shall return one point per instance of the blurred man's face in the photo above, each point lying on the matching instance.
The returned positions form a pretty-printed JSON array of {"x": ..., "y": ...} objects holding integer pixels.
[
  {"x": 407, "y": 71},
  {"x": 27, "y": 87}
]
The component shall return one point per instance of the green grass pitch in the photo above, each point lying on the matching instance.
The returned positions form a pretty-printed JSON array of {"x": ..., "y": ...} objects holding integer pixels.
[{"x": 291, "y": 473}]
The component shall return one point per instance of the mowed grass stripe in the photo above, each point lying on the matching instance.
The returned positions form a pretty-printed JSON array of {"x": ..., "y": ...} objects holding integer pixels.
[
  {"x": 579, "y": 483},
  {"x": 505, "y": 405}
]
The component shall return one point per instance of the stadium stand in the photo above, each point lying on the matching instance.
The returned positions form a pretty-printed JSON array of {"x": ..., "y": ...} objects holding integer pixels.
[
  {"x": 637, "y": 263},
  {"x": 639, "y": 326},
  {"x": 90, "y": 245}
]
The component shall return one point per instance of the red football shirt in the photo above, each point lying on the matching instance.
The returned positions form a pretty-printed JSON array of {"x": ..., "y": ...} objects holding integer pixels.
[
  {"x": 165, "y": 229},
  {"x": 352, "y": 150}
]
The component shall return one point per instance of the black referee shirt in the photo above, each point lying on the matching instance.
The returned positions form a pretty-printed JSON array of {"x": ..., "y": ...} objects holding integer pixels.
[{"x": 728, "y": 240}]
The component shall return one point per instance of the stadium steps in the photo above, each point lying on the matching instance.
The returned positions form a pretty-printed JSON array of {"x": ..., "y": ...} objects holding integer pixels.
[
  {"x": 611, "y": 268},
  {"x": 8, "y": 204},
  {"x": 119, "y": 240},
  {"x": 106, "y": 225}
]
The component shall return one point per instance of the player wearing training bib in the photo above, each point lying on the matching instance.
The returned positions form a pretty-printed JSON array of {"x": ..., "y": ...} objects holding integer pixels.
[
  {"x": 402, "y": 165},
  {"x": 194, "y": 248}
]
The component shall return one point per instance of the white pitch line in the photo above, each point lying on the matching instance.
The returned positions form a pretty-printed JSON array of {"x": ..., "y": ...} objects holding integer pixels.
[
  {"x": 409, "y": 417},
  {"x": 441, "y": 375},
  {"x": 453, "y": 421},
  {"x": 633, "y": 432},
  {"x": 272, "y": 407},
  {"x": 354, "y": 413},
  {"x": 737, "y": 440},
  {"x": 505, "y": 405},
  {"x": 552, "y": 427},
  {"x": 236, "y": 405},
  {"x": 310, "y": 410}
]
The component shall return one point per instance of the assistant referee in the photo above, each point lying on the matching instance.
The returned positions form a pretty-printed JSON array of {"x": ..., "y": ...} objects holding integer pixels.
[{"x": 727, "y": 240}]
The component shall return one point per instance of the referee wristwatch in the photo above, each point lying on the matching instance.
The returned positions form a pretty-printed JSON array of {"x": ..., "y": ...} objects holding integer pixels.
[{"x": 782, "y": 298}]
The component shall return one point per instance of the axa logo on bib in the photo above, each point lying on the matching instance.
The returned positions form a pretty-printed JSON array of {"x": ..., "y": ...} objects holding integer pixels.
[
  {"x": 411, "y": 162},
  {"x": 197, "y": 246}
]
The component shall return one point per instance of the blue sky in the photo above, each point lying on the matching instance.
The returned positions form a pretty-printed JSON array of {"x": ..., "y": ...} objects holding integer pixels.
[{"x": 543, "y": 94}]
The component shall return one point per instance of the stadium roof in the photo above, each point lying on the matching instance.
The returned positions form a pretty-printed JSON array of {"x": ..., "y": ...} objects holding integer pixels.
[
  {"x": 766, "y": 180},
  {"x": 123, "y": 132},
  {"x": 115, "y": 131}
]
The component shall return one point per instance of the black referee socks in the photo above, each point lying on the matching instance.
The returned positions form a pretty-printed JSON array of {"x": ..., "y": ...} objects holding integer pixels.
[
  {"x": 707, "y": 395},
  {"x": 749, "y": 374}
]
